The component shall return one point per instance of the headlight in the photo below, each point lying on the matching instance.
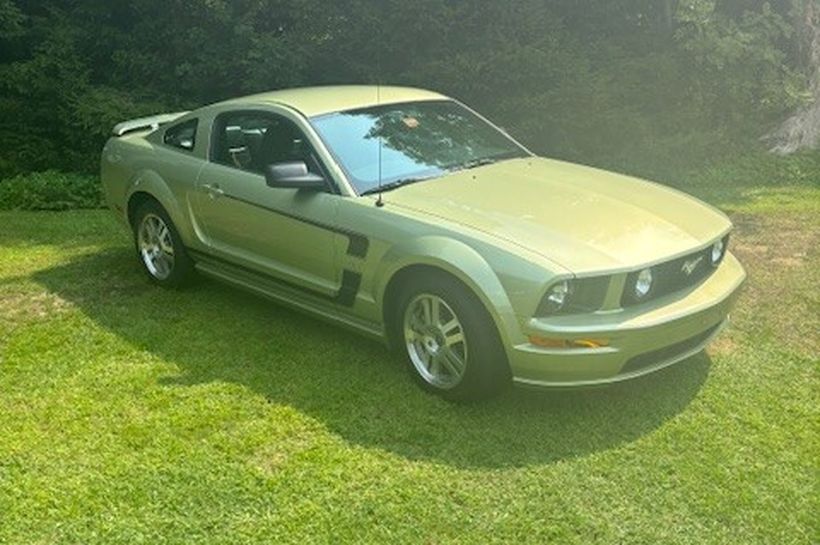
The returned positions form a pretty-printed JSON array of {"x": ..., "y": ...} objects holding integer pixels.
[
  {"x": 574, "y": 296},
  {"x": 557, "y": 296},
  {"x": 643, "y": 284},
  {"x": 718, "y": 250}
]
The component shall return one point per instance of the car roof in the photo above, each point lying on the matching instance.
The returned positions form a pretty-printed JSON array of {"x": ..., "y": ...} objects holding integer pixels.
[{"x": 313, "y": 101}]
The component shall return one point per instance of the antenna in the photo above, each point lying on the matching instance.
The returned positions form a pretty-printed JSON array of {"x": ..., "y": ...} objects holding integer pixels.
[{"x": 379, "y": 201}]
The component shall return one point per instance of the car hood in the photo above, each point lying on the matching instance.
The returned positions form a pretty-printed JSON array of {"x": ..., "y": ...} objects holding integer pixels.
[{"x": 584, "y": 219}]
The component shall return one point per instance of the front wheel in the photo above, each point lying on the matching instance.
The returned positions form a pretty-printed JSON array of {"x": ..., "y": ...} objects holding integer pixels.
[
  {"x": 160, "y": 248},
  {"x": 449, "y": 340}
]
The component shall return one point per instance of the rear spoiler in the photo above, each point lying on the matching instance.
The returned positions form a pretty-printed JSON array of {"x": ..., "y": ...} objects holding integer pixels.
[{"x": 143, "y": 123}]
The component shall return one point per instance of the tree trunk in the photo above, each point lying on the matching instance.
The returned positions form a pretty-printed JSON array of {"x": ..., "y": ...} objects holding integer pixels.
[
  {"x": 669, "y": 8},
  {"x": 802, "y": 130}
]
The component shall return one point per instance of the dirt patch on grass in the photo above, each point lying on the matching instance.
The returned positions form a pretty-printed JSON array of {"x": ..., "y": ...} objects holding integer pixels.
[
  {"x": 26, "y": 306},
  {"x": 776, "y": 240},
  {"x": 20, "y": 308},
  {"x": 724, "y": 344},
  {"x": 272, "y": 458},
  {"x": 780, "y": 253}
]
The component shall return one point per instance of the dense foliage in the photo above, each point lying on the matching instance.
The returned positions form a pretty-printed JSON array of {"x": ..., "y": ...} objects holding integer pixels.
[
  {"x": 639, "y": 85},
  {"x": 50, "y": 190}
]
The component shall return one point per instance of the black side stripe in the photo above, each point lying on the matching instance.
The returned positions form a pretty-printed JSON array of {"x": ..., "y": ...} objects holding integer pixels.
[
  {"x": 346, "y": 296},
  {"x": 351, "y": 281},
  {"x": 357, "y": 245}
]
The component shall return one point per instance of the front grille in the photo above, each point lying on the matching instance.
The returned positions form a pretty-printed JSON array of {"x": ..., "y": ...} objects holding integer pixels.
[
  {"x": 667, "y": 353},
  {"x": 672, "y": 276}
]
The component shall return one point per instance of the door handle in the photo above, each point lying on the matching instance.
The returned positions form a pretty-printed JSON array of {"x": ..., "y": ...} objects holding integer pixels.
[{"x": 213, "y": 190}]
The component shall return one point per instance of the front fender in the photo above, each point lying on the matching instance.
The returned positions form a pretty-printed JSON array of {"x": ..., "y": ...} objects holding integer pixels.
[{"x": 463, "y": 262}]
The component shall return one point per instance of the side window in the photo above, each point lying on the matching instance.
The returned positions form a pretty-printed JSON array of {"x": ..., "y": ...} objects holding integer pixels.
[
  {"x": 253, "y": 140},
  {"x": 182, "y": 136}
]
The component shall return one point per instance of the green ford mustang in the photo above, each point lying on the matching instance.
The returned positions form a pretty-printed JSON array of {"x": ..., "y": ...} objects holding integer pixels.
[{"x": 404, "y": 215}]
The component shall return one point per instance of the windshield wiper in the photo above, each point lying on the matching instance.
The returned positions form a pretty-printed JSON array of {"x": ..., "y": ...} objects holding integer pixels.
[
  {"x": 475, "y": 163},
  {"x": 393, "y": 185}
]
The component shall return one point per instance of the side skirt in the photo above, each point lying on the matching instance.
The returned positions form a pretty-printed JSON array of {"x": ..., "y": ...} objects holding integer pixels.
[{"x": 280, "y": 292}]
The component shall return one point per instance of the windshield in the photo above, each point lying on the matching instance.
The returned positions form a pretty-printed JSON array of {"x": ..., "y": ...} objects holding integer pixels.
[{"x": 419, "y": 140}]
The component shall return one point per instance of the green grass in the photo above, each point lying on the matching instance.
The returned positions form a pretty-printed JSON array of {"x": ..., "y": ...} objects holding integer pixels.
[{"x": 129, "y": 414}]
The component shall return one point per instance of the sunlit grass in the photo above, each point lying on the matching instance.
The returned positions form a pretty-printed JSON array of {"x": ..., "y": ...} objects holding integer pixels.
[{"x": 130, "y": 414}]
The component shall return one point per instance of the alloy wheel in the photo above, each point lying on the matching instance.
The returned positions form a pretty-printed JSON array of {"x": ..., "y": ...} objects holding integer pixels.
[
  {"x": 156, "y": 246},
  {"x": 435, "y": 341}
]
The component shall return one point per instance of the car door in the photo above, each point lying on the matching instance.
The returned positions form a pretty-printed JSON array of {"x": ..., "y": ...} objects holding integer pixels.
[{"x": 288, "y": 234}]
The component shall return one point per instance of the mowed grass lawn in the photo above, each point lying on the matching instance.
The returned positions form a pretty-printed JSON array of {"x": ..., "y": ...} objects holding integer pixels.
[{"x": 130, "y": 414}]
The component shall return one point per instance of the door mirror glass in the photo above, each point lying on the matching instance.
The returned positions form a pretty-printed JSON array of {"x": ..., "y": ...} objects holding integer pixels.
[{"x": 293, "y": 175}]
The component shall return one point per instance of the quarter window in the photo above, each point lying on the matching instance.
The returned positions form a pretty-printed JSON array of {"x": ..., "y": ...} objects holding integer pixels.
[{"x": 182, "y": 136}]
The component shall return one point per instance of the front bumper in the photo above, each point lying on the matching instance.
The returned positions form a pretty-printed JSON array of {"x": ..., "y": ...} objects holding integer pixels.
[{"x": 641, "y": 340}]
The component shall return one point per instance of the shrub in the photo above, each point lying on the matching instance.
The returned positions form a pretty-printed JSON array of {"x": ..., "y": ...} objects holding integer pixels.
[{"x": 50, "y": 190}]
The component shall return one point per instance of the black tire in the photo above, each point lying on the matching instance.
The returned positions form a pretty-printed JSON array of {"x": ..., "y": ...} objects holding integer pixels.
[
  {"x": 181, "y": 272},
  {"x": 486, "y": 370}
]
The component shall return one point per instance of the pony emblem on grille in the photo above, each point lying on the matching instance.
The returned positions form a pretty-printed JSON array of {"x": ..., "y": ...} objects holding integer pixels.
[{"x": 690, "y": 265}]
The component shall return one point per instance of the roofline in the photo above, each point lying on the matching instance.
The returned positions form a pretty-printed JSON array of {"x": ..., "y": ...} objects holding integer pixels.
[{"x": 320, "y": 100}]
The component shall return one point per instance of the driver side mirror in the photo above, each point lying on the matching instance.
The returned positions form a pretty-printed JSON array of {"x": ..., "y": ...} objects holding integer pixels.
[{"x": 293, "y": 175}]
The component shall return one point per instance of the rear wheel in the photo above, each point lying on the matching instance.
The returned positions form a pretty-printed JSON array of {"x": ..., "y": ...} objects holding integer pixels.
[
  {"x": 160, "y": 248},
  {"x": 449, "y": 340}
]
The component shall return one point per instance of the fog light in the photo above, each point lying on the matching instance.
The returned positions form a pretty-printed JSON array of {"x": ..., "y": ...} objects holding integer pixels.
[
  {"x": 718, "y": 249},
  {"x": 643, "y": 284}
]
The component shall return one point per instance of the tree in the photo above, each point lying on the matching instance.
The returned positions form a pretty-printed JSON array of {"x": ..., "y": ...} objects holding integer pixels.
[
  {"x": 592, "y": 81},
  {"x": 802, "y": 130},
  {"x": 11, "y": 20}
]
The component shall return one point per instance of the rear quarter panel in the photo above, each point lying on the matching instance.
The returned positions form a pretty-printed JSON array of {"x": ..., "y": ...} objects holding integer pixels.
[
  {"x": 141, "y": 163},
  {"x": 117, "y": 170}
]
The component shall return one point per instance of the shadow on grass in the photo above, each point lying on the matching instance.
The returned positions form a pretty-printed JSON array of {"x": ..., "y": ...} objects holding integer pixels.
[{"x": 353, "y": 386}]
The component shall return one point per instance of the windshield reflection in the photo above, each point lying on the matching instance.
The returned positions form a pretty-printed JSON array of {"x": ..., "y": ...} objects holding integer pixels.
[{"x": 411, "y": 141}]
